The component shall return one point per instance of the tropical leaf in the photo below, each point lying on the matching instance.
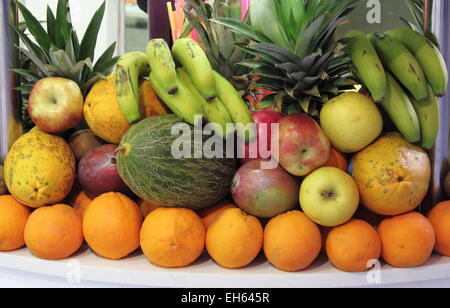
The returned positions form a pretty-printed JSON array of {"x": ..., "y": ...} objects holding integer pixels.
[
  {"x": 35, "y": 27},
  {"x": 89, "y": 41}
]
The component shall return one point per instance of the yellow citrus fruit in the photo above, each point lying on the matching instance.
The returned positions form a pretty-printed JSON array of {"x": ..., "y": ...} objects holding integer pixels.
[{"x": 39, "y": 169}]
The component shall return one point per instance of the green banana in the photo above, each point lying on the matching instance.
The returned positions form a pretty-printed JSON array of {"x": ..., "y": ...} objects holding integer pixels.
[
  {"x": 162, "y": 65},
  {"x": 183, "y": 103},
  {"x": 130, "y": 67},
  {"x": 368, "y": 65},
  {"x": 238, "y": 110},
  {"x": 428, "y": 113},
  {"x": 428, "y": 55},
  {"x": 401, "y": 111},
  {"x": 215, "y": 112},
  {"x": 395, "y": 56},
  {"x": 192, "y": 57}
]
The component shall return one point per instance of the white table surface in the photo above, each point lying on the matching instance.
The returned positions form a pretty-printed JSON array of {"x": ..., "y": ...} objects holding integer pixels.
[{"x": 85, "y": 269}]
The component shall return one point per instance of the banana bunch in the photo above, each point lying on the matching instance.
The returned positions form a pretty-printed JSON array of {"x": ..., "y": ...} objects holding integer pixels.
[
  {"x": 405, "y": 73},
  {"x": 194, "y": 88}
]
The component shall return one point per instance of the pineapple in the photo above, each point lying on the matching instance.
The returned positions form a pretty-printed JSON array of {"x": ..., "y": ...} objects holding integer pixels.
[
  {"x": 57, "y": 52},
  {"x": 217, "y": 40},
  {"x": 293, "y": 52}
]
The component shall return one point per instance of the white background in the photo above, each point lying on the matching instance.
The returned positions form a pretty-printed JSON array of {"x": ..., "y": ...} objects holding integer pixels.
[{"x": 82, "y": 10}]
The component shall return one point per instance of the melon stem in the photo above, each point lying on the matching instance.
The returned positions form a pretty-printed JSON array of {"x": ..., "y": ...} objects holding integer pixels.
[{"x": 124, "y": 149}]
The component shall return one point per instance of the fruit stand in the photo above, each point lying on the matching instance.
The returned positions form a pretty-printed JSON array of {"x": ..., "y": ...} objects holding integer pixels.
[{"x": 289, "y": 149}]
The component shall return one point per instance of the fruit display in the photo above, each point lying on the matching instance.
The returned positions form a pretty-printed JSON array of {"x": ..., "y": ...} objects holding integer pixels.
[
  {"x": 148, "y": 167},
  {"x": 256, "y": 135}
]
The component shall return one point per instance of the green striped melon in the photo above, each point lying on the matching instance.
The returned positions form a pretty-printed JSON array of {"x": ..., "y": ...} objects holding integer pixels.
[{"x": 147, "y": 166}]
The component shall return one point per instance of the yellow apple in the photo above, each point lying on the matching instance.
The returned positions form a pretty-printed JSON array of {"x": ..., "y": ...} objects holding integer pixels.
[
  {"x": 351, "y": 121},
  {"x": 329, "y": 196}
]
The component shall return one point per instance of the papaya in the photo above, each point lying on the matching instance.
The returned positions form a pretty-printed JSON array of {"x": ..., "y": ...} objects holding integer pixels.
[{"x": 392, "y": 175}]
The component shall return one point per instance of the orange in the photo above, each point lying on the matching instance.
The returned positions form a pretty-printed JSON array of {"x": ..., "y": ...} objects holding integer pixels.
[
  {"x": 407, "y": 240},
  {"x": 351, "y": 246},
  {"x": 337, "y": 160},
  {"x": 292, "y": 241},
  {"x": 392, "y": 175},
  {"x": 151, "y": 105},
  {"x": 172, "y": 237},
  {"x": 147, "y": 207},
  {"x": 439, "y": 217},
  {"x": 234, "y": 239},
  {"x": 13, "y": 217},
  {"x": 54, "y": 232},
  {"x": 111, "y": 225},
  {"x": 209, "y": 214},
  {"x": 81, "y": 203}
]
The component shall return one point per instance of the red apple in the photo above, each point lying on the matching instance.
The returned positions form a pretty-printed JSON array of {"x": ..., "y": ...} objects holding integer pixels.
[
  {"x": 263, "y": 133},
  {"x": 56, "y": 104},
  {"x": 98, "y": 172},
  {"x": 264, "y": 193},
  {"x": 303, "y": 146}
]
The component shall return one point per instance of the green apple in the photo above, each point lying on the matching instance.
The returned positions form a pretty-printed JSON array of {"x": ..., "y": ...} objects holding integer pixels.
[
  {"x": 351, "y": 121},
  {"x": 329, "y": 196}
]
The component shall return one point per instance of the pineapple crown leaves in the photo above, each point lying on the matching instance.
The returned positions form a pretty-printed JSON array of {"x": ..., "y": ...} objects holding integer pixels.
[
  {"x": 58, "y": 51},
  {"x": 421, "y": 11},
  {"x": 309, "y": 69},
  {"x": 218, "y": 42}
]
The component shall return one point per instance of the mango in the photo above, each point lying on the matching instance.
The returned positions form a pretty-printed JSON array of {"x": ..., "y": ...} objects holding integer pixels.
[{"x": 39, "y": 169}]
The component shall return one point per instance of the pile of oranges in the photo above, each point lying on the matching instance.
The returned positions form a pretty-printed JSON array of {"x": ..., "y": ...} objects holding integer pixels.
[{"x": 114, "y": 226}]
